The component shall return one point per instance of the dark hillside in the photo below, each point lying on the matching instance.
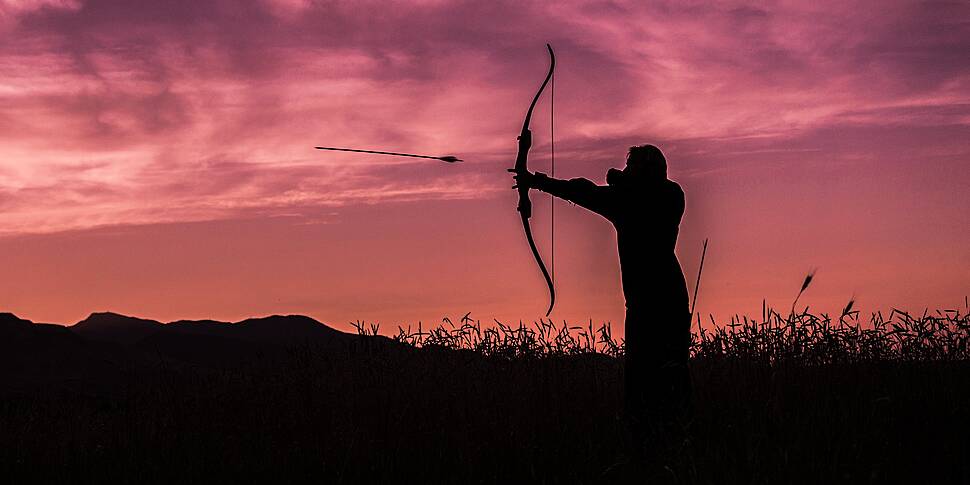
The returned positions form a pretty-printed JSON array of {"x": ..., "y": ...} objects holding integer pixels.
[
  {"x": 112, "y": 327},
  {"x": 797, "y": 400}
]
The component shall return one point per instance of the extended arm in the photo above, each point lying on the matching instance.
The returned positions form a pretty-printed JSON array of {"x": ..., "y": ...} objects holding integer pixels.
[{"x": 580, "y": 191}]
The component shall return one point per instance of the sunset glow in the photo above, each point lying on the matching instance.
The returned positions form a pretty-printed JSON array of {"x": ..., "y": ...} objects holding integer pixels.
[{"x": 156, "y": 158}]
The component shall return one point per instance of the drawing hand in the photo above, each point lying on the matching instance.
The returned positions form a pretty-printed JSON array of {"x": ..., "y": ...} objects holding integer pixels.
[{"x": 523, "y": 179}]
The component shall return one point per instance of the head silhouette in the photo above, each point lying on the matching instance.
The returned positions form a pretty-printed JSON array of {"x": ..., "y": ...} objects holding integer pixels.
[{"x": 644, "y": 164}]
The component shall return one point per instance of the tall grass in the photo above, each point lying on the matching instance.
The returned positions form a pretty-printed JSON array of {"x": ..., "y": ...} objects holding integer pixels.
[
  {"x": 796, "y": 398},
  {"x": 803, "y": 337},
  {"x": 809, "y": 338}
]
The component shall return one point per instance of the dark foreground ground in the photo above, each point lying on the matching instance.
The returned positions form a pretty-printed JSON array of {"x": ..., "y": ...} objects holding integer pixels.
[{"x": 375, "y": 411}]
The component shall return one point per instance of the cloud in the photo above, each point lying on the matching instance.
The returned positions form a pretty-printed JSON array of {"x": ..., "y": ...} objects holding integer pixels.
[{"x": 115, "y": 112}]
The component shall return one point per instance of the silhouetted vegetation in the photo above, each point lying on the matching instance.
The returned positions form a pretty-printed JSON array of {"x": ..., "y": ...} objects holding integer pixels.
[{"x": 787, "y": 398}]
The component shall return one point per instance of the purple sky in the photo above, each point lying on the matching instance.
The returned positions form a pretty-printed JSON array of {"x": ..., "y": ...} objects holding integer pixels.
[{"x": 156, "y": 157}]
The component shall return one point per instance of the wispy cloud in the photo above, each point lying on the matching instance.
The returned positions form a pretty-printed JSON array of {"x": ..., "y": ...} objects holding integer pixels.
[
  {"x": 119, "y": 112},
  {"x": 113, "y": 109}
]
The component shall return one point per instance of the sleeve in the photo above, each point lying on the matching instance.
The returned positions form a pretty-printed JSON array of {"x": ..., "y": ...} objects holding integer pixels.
[{"x": 579, "y": 191}]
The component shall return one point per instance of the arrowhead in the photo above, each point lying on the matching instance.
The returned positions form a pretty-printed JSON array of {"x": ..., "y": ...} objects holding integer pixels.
[{"x": 449, "y": 159}]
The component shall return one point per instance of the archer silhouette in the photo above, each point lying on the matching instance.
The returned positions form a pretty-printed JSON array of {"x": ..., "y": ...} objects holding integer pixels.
[{"x": 645, "y": 208}]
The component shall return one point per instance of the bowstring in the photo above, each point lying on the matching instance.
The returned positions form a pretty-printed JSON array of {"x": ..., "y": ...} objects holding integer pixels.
[{"x": 552, "y": 200}]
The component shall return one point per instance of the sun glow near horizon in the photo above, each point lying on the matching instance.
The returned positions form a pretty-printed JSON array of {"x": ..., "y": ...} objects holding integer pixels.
[{"x": 158, "y": 161}]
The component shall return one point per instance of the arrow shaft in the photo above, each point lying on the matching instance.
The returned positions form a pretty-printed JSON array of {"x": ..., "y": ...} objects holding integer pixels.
[{"x": 377, "y": 152}]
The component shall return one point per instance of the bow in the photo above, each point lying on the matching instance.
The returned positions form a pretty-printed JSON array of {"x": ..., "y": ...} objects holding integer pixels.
[{"x": 521, "y": 167}]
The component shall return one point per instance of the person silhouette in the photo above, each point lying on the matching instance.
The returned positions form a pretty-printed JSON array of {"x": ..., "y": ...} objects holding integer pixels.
[{"x": 645, "y": 208}]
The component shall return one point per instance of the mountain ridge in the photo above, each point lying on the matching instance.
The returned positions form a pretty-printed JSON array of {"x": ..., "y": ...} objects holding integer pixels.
[
  {"x": 105, "y": 345},
  {"x": 277, "y": 328}
]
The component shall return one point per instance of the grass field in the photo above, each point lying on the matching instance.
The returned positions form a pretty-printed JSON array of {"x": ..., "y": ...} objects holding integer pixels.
[{"x": 797, "y": 398}]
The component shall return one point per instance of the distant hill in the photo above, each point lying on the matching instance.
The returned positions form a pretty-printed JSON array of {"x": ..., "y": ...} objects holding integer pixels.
[
  {"x": 105, "y": 345},
  {"x": 112, "y": 327},
  {"x": 37, "y": 355},
  {"x": 276, "y": 329},
  {"x": 219, "y": 344}
]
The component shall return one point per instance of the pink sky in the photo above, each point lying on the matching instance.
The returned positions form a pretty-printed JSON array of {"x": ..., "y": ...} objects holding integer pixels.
[{"x": 156, "y": 157}]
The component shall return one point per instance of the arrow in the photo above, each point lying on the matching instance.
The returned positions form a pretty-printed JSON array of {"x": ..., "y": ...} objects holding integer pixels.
[{"x": 447, "y": 158}]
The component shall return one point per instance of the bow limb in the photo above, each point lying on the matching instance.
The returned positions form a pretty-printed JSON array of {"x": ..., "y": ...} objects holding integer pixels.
[{"x": 521, "y": 166}]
